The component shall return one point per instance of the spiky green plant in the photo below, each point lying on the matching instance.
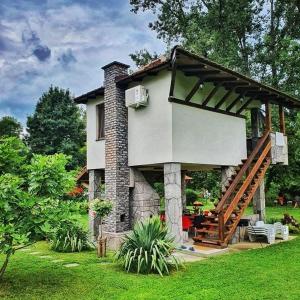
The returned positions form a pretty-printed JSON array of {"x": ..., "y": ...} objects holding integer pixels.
[
  {"x": 69, "y": 237},
  {"x": 148, "y": 248}
]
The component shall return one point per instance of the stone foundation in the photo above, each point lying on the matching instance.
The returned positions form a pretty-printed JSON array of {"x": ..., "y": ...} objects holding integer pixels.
[
  {"x": 173, "y": 200},
  {"x": 144, "y": 201},
  {"x": 259, "y": 202},
  {"x": 114, "y": 239},
  {"x": 94, "y": 192},
  {"x": 226, "y": 173}
]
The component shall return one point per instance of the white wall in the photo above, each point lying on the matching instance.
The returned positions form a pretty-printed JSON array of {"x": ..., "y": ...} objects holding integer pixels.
[
  {"x": 150, "y": 128},
  {"x": 95, "y": 149},
  {"x": 205, "y": 137},
  {"x": 169, "y": 132},
  {"x": 208, "y": 138}
]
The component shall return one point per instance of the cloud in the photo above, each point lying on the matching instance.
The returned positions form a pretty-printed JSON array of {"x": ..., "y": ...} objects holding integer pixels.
[
  {"x": 63, "y": 43},
  {"x": 42, "y": 52},
  {"x": 30, "y": 37},
  {"x": 67, "y": 58}
]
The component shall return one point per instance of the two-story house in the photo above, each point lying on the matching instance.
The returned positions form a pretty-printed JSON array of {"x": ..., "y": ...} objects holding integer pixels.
[{"x": 180, "y": 113}]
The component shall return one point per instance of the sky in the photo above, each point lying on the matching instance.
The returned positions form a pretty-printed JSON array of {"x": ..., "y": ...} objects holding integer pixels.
[{"x": 64, "y": 43}]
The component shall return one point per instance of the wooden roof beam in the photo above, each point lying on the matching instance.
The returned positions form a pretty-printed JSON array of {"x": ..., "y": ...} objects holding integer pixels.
[
  {"x": 201, "y": 72},
  {"x": 248, "y": 89},
  {"x": 236, "y": 84},
  {"x": 244, "y": 106},
  {"x": 223, "y": 99},
  {"x": 211, "y": 94},
  {"x": 219, "y": 79},
  {"x": 191, "y": 67},
  {"x": 194, "y": 90},
  {"x": 235, "y": 101}
]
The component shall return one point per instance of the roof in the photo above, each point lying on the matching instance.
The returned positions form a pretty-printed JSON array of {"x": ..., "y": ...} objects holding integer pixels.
[
  {"x": 207, "y": 70},
  {"x": 90, "y": 95}
]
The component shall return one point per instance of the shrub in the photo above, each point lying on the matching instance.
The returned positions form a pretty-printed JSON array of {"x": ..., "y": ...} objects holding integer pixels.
[
  {"x": 148, "y": 249},
  {"x": 272, "y": 193},
  {"x": 69, "y": 237},
  {"x": 191, "y": 196},
  {"x": 48, "y": 176},
  {"x": 159, "y": 189}
]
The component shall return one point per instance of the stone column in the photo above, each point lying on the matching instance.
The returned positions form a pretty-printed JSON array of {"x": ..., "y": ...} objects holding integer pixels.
[
  {"x": 259, "y": 201},
  {"x": 94, "y": 192},
  {"x": 144, "y": 202},
  {"x": 183, "y": 187},
  {"x": 226, "y": 174},
  {"x": 116, "y": 153},
  {"x": 173, "y": 200}
]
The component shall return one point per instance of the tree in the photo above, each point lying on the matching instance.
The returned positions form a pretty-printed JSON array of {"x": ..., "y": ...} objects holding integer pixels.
[
  {"x": 222, "y": 30},
  {"x": 13, "y": 156},
  {"x": 258, "y": 38},
  {"x": 57, "y": 126},
  {"x": 9, "y": 126},
  {"x": 142, "y": 57},
  {"x": 29, "y": 201}
]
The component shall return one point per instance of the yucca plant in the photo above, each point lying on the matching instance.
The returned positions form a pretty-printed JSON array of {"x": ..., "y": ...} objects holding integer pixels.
[
  {"x": 69, "y": 237},
  {"x": 148, "y": 248}
]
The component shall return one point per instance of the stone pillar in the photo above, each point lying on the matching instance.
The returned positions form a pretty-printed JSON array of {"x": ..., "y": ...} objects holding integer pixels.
[
  {"x": 116, "y": 153},
  {"x": 173, "y": 200},
  {"x": 183, "y": 187},
  {"x": 94, "y": 192},
  {"x": 226, "y": 174},
  {"x": 259, "y": 201},
  {"x": 144, "y": 202}
]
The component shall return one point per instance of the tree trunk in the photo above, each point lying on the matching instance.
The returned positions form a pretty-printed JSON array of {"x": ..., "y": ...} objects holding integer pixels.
[{"x": 4, "y": 266}]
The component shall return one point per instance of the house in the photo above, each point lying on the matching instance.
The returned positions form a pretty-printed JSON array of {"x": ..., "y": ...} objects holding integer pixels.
[{"x": 180, "y": 113}]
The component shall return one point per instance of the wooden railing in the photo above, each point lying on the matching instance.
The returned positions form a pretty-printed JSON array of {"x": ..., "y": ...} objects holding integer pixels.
[
  {"x": 247, "y": 182},
  {"x": 242, "y": 172},
  {"x": 226, "y": 205},
  {"x": 249, "y": 198}
]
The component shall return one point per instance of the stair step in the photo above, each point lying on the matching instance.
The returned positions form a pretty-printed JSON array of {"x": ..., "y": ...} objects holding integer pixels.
[
  {"x": 213, "y": 224},
  {"x": 210, "y": 244}
]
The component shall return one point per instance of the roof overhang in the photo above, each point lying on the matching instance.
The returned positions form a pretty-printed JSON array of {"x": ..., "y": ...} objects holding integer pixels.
[
  {"x": 207, "y": 71},
  {"x": 83, "y": 99}
]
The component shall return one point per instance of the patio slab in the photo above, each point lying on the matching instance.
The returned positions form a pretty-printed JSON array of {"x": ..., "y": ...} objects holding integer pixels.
[
  {"x": 201, "y": 251},
  {"x": 186, "y": 257},
  {"x": 247, "y": 245}
]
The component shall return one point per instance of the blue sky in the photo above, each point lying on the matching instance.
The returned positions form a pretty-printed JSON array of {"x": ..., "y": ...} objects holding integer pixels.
[{"x": 64, "y": 43}]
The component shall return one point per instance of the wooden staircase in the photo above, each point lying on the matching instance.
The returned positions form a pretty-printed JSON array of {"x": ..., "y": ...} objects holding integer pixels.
[{"x": 219, "y": 227}]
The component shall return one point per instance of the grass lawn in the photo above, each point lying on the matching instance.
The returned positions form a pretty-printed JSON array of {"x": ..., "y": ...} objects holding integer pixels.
[{"x": 270, "y": 273}]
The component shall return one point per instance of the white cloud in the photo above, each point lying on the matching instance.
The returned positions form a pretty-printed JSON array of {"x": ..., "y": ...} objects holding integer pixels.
[{"x": 94, "y": 36}]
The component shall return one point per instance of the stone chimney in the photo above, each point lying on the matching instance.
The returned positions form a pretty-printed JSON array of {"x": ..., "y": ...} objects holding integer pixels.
[{"x": 116, "y": 153}]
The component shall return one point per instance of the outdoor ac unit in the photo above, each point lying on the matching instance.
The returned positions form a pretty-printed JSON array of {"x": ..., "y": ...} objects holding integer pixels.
[{"x": 136, "y": 96}]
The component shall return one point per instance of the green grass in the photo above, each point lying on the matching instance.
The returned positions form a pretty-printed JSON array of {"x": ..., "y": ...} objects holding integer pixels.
[
  {"x": 270, "y": 273},
  {"x": 278, "y": 211}
]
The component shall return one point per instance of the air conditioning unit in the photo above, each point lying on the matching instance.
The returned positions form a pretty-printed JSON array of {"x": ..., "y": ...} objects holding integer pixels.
[{"x": 136, "y": 97}]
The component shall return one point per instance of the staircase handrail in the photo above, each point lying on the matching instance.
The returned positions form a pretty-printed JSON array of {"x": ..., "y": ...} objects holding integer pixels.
[
  {"x": 247, "y": 182},
  {"x": 242, "y": 171}
]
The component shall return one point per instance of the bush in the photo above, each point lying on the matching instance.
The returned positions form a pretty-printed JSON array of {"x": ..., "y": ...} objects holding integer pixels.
[
  {"x": 191, "y": 196},
  {"x": 159, "y": 189},
  {"x": 148, "y": 249},
  {"x": 272, "y": 193},
  {"x": 69, "y": 237}
]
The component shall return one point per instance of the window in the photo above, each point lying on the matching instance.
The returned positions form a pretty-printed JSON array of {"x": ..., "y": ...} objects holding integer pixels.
[{"x": 100, "y": 121}]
